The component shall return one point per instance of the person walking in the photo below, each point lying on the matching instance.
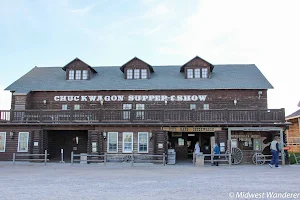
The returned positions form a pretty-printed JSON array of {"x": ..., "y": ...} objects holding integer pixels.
[
  {"x": 197, "y": 148},
  {"x": 216, "y": 151},
  {"x": 275, "y": 152}
]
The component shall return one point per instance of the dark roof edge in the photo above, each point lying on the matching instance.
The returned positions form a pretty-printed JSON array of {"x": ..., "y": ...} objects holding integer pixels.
[
  {"x": 123, "y": 66},
  {"x": 65, "y": 67}
]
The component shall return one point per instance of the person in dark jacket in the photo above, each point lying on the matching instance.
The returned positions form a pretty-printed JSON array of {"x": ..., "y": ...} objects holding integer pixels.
[
  {"x": 275, "y": 152},
  {"x": 216, "y": 151}
]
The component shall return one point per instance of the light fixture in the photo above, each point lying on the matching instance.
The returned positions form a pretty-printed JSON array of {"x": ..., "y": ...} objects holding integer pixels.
[
  {"x": 11, "y": 134},
  {"x": 150, "y": 135},
  {"x": 101, "y": 102},
  {"x": 45, "y": 101},
  {"x": 235, "y": 102},
  {"x": 166, "y": 102},
  {"x": 104, "y": 135},
  {"x": 259, "y": 94}
]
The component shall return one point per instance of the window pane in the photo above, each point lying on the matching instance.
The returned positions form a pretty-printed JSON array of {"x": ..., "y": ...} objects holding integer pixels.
[
  {"x": 113, "y": 142},
  {"x": 23, "y": 141},
  {"x": 127, "y": 141},
  {"x": 64, "y": 107},
  {"x": 71, "y": 75},
  {"x": 77, "y": 107},
  {"x": 197, "y": 73},
  {"x": 126, "y": 114},
  {"x": 140, "y": 114},
  {"x": 189, "y": 73},
  {"x": 94, "y": 147},
  {"x": 2, "y": 141},
  {"x": 204, "y": 73},
  {"x": 129, "y": 73},
  {"x": 143, "y": 142},
  {"x": 78, "y": 75},
  {"x": 136, "y": 74},
  {"x": 206, "y": 106},
  {"x": 84, "y": 74},
  {"x": 143, "y": 74},
  {"x": 192, "y": 106}
]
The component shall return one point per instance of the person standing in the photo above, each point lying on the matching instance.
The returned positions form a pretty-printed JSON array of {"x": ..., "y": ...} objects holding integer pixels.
[
  {"x": 197, "y": 148},
  {"x": 275, "y": 152},
  {"x": 216, "y": 151}
]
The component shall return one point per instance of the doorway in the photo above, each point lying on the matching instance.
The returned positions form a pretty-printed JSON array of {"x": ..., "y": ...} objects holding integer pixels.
[{"x": 69, "y": 141}]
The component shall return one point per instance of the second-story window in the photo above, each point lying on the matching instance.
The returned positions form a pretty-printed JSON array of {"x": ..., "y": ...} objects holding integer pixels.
[
  {"x": 197, "y": 73},
  {"x": 78, "y": 75},
  {"x": 64, "y": 107},
  {"x": 204, "y": 73},
  {"x": 136, "y": 74},
  {"x": 190, "y": 73},
  {"x": 206, "y": 106}
]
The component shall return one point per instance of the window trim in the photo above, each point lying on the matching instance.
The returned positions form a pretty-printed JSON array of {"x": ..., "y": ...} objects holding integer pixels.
[
  {"x": 19, "y": 142},
  {"x": 139, "y": 142},
  {"x": 4, "y": 143},
  {"x": 123, "y": 150},
  {"x": 108, "y": 151}
]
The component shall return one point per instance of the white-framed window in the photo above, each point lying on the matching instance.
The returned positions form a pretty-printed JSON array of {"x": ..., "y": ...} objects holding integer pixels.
[
  {"x": 204, "y": 73},
  {"x": 136, "y": 73},
  {"x": 143, "y": 74},
  {"x": 2, "y": 141},
  {"x": 94, "y": 147},
  {"x": 190, "y": 73},
  {"x": 71, "y": 75},
  {"x": 140, "y": 114},
  {"x": 127, "y": 142},
  {"x": 112, "y": 142},
  {"x": 64, "y": 107},
  {"x": 85, "y": 74},
  {"x": 76, "y": 107},
  {"x": 78, "y": 75},
  {"x": 206, "y": 106},
  {"x": 197, "y": 73},
  {"x": 143, "y": 142},
  {"x": 126, "y": 114},
  {"x": 129, "y": 74},
  {"x": 23, "y": 142},
  {"x": 193, "y": 106}
]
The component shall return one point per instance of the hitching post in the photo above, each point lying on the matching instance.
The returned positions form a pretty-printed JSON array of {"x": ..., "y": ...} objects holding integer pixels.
[
  {"x": 46, "y": 157},
  {"x": 132, "y": 159},
  {"x": 281, "y": 147},
  {"x": 104, "y": 159},
  {"x": 72, "y": 157},
  {"x": 62, "y": 156},
  {"x": 164, "y": 159},
  {"x": 14, "y": 158}
]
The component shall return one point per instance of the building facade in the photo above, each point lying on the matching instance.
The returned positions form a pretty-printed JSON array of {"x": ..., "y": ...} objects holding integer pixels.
[
  {"x": 139, "y": 108},
  {"x": 293, "y": 133}
]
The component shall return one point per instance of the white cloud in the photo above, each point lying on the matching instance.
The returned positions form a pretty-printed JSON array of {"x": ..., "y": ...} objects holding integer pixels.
[
  {"x": 85, "y": 10},
  {"x": 5, "y": 99},
  {"x": 261, "y": 32},
  {"x": 158, "y": 11}
]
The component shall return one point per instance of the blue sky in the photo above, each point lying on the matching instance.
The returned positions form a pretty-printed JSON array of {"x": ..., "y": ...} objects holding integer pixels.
[{"x": 161, "y": 32}]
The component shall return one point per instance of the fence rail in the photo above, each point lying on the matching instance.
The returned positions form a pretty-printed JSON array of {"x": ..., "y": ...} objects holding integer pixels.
[
  {"x": 28, "y": 157},
  {"x": 293, "y": 141},
  {"x": 227, "y": 158},
  {"x": 143, "y": 116},
  {"x": 132, "y": 158}
]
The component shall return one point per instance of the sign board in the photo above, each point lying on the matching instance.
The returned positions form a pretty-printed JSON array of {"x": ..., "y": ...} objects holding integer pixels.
[
  {"x": 36, "y": 144},
  {"x": 245, "y": 136},
  {"x": 99, "y": 98},
  {"x": 160, "y": 146},
  {"x": 192, "y": 129}
]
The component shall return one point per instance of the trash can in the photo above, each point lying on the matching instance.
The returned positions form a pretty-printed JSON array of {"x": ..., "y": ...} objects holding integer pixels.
[
  {"x": 83, "y": 158},
  {"x": 200, "y": 160}
]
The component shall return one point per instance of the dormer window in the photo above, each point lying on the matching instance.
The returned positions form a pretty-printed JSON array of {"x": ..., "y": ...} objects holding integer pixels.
[
  {"x": 137, "y": 73},
  {"x": 78, "y": 70},
  {"x": 136, "y": 69},
  {"x": 197, "y": 73},
  {"x": 197, "y": 68}
]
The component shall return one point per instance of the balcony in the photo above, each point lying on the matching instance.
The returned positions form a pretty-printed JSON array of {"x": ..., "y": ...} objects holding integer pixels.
[{"x": 167, "y": 116}]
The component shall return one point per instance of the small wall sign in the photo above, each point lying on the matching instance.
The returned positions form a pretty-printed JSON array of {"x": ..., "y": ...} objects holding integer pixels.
[{"x": 36, "y": 144}]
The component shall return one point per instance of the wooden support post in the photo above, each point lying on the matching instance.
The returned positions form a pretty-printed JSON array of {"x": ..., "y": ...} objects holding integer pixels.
[
  {"x": 104, "y": 159},
  {"x": 132, "y": 160},
  {"x": 229, "y": 157},
  {"x": 164, "y": 159},
  {"x": 281, "y": 147}
]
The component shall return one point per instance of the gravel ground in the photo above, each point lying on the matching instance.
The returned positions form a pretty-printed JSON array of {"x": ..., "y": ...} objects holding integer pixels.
[{"x": 142, "y": 181}]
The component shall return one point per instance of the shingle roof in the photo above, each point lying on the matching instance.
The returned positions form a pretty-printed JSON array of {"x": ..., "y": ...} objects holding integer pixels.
[
  {"x": 293, "y": 115},
  {"x": 164, "y": 78}
]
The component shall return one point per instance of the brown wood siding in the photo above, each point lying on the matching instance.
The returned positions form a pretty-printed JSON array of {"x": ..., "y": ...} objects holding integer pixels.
[{"x": 293, "y": 130}]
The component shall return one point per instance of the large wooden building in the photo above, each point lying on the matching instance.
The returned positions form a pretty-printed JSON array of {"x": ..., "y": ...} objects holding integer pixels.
[
  {"x": 293, "y": 133},
  {"x": 139, "y": 108}
]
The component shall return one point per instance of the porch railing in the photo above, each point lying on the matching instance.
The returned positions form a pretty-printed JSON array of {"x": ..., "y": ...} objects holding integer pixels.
[{"x": 143, "y": 116}]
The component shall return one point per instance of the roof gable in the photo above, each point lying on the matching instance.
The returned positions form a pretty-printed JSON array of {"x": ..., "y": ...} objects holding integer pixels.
[
  {"x": 136, "y": 62},
  {"x": 197, "y": 61},
  {"x": 293, "y": 115},
  {"x": 78, "y": 63}
]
